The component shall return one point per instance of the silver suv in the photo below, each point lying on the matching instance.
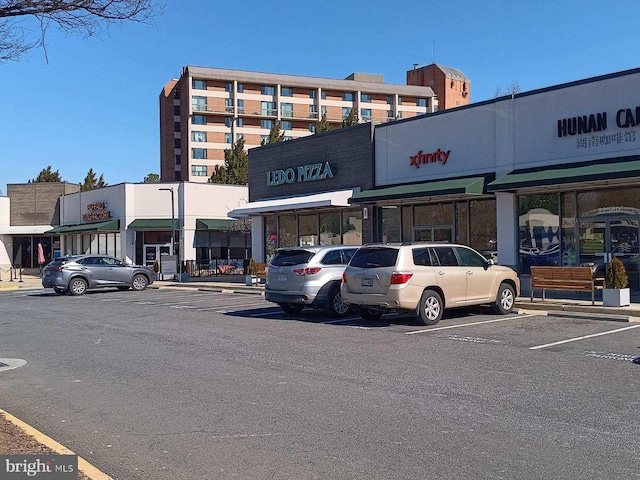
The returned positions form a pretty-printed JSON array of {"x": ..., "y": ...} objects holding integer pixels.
[
  {"x": 77, "y": 274},
  {"x": 424, "y": 279},
  {"x": 308, "y": 276}
]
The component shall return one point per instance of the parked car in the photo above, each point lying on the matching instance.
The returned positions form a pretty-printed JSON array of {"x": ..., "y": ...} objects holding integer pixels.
[
  {"x": 77, "y": 274},
  {"x": 424, "y": 279},
  {"x": 301, "y": 277}
]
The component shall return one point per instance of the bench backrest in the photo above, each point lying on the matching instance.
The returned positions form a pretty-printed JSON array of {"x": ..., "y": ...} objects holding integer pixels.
[{"x": 561, "y": 273}]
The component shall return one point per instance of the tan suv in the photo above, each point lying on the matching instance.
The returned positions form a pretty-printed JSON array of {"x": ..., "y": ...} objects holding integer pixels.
[{"x": 425, "y": 278}]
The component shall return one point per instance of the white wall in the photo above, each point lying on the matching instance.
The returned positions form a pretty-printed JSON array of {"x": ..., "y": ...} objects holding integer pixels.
[{"x": 5, "y": 240}]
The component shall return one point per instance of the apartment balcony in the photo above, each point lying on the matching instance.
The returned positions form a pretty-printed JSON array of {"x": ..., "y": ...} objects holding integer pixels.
[{"x": 220, "y": 110}]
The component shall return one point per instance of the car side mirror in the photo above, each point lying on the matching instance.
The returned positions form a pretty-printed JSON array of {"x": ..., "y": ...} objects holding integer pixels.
[{"x": 488, "y": 263}]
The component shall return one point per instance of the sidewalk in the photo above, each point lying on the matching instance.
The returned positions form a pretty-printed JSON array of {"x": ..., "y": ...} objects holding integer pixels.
[{"x": 578, "y": 303}]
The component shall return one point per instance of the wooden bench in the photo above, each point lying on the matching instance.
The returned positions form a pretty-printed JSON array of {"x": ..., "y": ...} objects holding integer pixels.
[
  {"x": 261, "y": 270},
  {"x": 565, "y": 278}
]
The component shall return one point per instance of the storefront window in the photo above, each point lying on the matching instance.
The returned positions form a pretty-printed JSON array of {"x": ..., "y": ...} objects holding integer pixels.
[
  {"x": 615, "y": 201},
  {"x": 390, "y": 219},
  {"x": 308, "y": 230},
  {"x": 462, "y": 223},
  {"x": 539, "y": 227},
  {"x": 483, "y": 233},
  {"x": 271, "y": 234},
  {"x": 407, "y": 223},
  {"x": 352, "y": 227},
  {"x": 287, "y": 231},
  {"x": 330, "y": 231},
  {"x": 568, "y": 240},
  {"x": 433, "y": 214}
]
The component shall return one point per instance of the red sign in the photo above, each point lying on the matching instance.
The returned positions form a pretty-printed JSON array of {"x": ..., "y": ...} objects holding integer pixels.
[{"x": 424, "y": 158}]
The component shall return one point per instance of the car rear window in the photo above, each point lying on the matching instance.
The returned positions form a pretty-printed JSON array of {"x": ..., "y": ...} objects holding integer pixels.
[
  {"x": 374, "y": 257},
  {"x": 288, "y": 258},
  {"x": 57, "y": 263}
]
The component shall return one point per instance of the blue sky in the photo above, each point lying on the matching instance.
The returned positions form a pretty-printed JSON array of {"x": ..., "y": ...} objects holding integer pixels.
[{"x": 95, "y": 104}]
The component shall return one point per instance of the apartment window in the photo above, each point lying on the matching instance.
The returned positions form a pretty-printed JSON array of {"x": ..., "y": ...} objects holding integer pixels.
[
  {"x": 176, "y": 126},
  {"x": 199, "y": 170},
  {"x": 286, "y": 125},
  {"x": 421, "y": 102},
  {"x": 347, "y": 96},
  {"x": 228, "y": 105},
  {"x": 365, "y": 97},
  {"x": 399, "y": 100},
  {"x": 176, "y": 109},
  {"x": 390, "y": 115},
  {"x": 388, "y": 99},
  {"x": 228, "y": 87},
  {"x": 199, "y": 136},
  {"x": 198, "y": 120},
  {"x": 366, "y": 114},
  {"x": 228, "y": 121},
  {"x": 269, "y": 108},
  {"x": 178, "y": 176},
  {"x": 239, "y": 136},
  {"x": 286, "y": 109},
  {"x": 286, "y": 138},
  {"x": 228, "y": 138},
  {"x": 345, "y": 112},
  {"x": 241, "y": 88},
  {"x": 178, "y": 159},
  {"x": 239, "y": 122},
  {"x": 312, "y": 127},
  {"x": 312, "y": 93},
  {"x": 264, "y": 139},
  {"x": 286, "y": 92},
  {"x": 267, "y": 124},
  {"x": 199, "y": 153},
  {"x": 176, "y": 143},
  {"x": 240, "y": 106},
  {"x": 176, "y": 93},
  {"x": 268, "y": 90},
  {"x": 198, "y": 84},
  {"x": 313, "y": 111},
  {"x": 199, "y": 104},
  {"x": 323, "y": 109},
  {"x": 323, "y": 95}
]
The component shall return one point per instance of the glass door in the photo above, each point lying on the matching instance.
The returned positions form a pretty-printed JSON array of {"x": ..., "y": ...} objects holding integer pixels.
[{"x": 602, "y": 239}]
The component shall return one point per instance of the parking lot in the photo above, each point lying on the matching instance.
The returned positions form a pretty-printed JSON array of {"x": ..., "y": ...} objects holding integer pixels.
[{"x": 153, "y": 382}]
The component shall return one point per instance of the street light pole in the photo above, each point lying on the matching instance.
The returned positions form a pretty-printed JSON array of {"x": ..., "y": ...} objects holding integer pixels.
[{"x": 173, "y": 216}]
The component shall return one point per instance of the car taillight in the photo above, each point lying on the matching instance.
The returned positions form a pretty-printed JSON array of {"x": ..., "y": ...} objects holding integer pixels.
[
  {"x": 306, "y": 271},
  {"x": 399, "y": 278},
  {"x": 56, "y": 269},
  {"x": 344, "y": 277}
]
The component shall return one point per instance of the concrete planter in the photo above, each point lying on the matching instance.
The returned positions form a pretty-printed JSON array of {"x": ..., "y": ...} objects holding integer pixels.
[
  {"x": 613, "y": 297},
  {"x": 250, "y": 280}
]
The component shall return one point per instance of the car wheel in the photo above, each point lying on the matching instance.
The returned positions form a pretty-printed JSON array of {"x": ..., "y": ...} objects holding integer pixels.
[
  {"x": 78, "y": 286},
  {"x": 505, "y": 300},
  {"x": 123, "y": 288},
  {"x": 61, "y": 291},
  {"x": 430, "y": 308},
  {"x": 336, "y": 307},
  {"x": 291, "y": 308},
  {"x": 370, "y": 315},
  {"x": 139, "y": 282}
]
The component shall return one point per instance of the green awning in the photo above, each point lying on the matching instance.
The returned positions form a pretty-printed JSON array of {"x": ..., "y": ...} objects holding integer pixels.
[
  {"x": 109, "y": 226},
  {"x": 567, "y": 174},
  {"x": 465, "y": 186},
  {"x": 153, "y": 224},
  {"x": 213, "y": 223}
]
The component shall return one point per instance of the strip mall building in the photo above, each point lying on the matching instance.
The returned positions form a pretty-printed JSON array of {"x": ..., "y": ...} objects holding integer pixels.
[{"x": 547, "y": 177}]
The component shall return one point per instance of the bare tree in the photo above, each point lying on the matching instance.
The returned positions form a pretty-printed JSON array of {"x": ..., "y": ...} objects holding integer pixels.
[
  {"x": 512, "y": 89},
  {"x": 85, "y": 16}
]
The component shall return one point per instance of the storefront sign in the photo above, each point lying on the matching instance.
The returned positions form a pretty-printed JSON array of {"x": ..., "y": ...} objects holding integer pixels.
[
  {"x": 597, "y": 122},
  {"x": 424, "y": 158},
  {"x": 304, "y": 173},
  {"x": 96, "y": 211}
]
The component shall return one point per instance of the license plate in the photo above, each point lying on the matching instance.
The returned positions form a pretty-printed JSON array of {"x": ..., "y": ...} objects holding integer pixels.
[
  {"x": 282, "y": 278},
  {"x": 367, "y": 282}
]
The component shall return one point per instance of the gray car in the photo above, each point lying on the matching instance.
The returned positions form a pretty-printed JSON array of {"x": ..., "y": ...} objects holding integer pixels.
[
  {"x": 301, "y": 277},
  {"x": 77, "y": 274}
]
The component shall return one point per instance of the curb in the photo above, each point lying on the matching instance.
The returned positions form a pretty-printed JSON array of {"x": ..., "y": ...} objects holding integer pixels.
[{"x": 85, "y": 467}]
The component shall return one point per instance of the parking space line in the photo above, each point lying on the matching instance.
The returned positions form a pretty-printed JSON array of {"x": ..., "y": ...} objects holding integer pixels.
[
  {"x": 584, "y": 337},
  {"x": 469, "y": 324}
]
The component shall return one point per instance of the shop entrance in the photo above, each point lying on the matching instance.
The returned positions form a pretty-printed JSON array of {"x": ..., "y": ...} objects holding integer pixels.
[
  {"x": 602, "y": 239},
  {"x": 433, "y": 234},
  {"x": 154, "y": 252}
]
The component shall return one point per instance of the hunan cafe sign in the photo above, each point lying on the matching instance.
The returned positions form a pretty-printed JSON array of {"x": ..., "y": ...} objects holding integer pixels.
[{"x": 96, "y": 211}]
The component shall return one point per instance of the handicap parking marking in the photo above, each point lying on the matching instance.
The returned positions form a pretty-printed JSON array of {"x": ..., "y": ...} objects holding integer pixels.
[
  {"x": 480, "y": 340},
  {"x": 583, "y": 337},
  {"x": 448, "y": 327}
]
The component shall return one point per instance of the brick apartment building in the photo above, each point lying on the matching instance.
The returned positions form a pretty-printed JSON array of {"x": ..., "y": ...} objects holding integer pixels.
[{"x": 206, "y": 110}]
